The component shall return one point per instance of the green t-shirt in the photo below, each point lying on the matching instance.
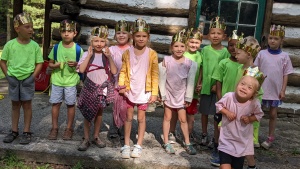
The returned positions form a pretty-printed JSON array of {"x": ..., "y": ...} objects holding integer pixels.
[
  {"x": 67, "y": 76},
  {"x": 21, "y": 58},
  {"x": 226, "y": 73},
  {"x": 210, "y": 60},
  {"x": 240, "y": 75},
  {"x": 196, "y": 57}
]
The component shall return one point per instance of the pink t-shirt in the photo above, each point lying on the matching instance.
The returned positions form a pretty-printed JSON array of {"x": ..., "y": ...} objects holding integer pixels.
[
  {"x": 116, "y": 53},
  {"x": 176, "y": 83},
  {"x": 274, "y": 67},
  {"x": 97, "y": 76},
  {"x": 236, "y": 137},
  {"x": 138, "y": 72}
]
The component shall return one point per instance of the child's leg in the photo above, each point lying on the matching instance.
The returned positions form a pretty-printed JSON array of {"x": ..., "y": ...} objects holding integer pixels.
[
  {"x": 184, "y": 125},
  {"x": 127, "y": 125},
  {"x": 86, "y": 129},
  {"x": 97, "y": 123},
  {"x": 225, "y": 166},
  {"x": 141, "y": 117},
  {"x": 250, "y": 160},
  {"x": 272, "y": 121},
  {"x": 173, "y": 122},
  {"x": 204, "y": 121},
  {"x": 71, "y": 115},
  {"x": 55, "y": 113},
  {"x": 190, "y": 121},
  {"x": 167, "y": 123},
  {"x": 16, "y": 105},
  {"x": 27, "y": 107}
]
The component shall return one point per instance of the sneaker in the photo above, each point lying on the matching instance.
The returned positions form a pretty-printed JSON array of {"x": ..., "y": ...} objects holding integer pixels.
[
  {"x": 10, "y": 137},
  {"x": 252, "y": 168},
  {"x": 172, "y": 138},
  {"x": 193, "y": 139},
  {"x": 169, "y": 148},
  {"x": 84, "y": 145},
  {"x": 204, "y": 139},
  {"x": 125, "y": 150},
  {"x": 215, "y": 161},
  {"x": 68, "y": 134},
  {"x": 25, "y": 138},
  {"x": 99, "y": 143},
  {"x": 267, "y": 144},
  {"x": 190, "y": 149},
  {"x": 137, "y": 151},
  {"x": 211, "y": 144},
  {"x": 256, "y": 145},
  {"x": 53, "y": 134}
]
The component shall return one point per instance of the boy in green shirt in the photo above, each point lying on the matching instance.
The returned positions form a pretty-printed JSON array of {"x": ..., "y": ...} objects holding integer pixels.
[
  {"x": 21, "y": 62},
  {"x": 211, "y": 56},
  {"x": 64, "y": 78}
]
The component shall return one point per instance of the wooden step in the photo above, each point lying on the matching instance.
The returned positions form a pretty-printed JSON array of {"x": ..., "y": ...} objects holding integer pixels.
[
  {"x": 292, "y": 95},
  {"x": 294, "y": 78},
  {"x": 286, "y": 110}
]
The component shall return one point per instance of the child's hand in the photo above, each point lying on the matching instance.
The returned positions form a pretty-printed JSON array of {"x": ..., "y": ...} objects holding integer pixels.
[
  {"x": 198, "y": 88},
  {"x": 214, "y": 89},
  {"x": 281, "y": 95},
  {"x": 72, "y": 63},
  {"x": 187, "y": 104},
  {"x": 152, "y": 99},
  {"x": 122, "y": 91},
  {"x": 90, "y": 51},
  {"x": 245, "y": 119},
  {"x": 231, "y": 116},
  {"x": 106, "y": 52}
]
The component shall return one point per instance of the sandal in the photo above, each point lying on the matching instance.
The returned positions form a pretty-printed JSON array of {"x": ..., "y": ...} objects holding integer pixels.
[
  {"x": 53, "y": 134},
  {"x": 68, "y": 134},
  {"x": 99, "y": 143},
  {"x": 10, "y": 137},
  {"x": 84, "y": 145}
]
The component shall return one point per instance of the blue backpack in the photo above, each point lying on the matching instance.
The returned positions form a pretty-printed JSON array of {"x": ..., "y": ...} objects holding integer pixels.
[{"x": 78, "y": 52}]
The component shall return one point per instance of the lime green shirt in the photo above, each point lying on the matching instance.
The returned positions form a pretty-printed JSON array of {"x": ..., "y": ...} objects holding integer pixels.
[
  {"x": 196, "y": 57},
  {"x": 21, "y": 58},
  {"x": 210, "y": 60},
  {"x": 67, "y": 76},
  {"x": 226, "y": 73}
]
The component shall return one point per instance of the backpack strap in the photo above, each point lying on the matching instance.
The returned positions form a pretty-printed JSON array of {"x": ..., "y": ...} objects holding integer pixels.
[
  {"x": 78, "y": 52},
  {"x": 55, "y": 52}
]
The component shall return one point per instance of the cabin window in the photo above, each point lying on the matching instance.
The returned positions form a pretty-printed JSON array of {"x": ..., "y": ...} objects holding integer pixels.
[{"x": 243, "y": 15}]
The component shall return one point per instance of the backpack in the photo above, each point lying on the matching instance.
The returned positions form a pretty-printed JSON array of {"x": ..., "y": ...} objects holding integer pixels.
[{"x": 78, "y": 52}]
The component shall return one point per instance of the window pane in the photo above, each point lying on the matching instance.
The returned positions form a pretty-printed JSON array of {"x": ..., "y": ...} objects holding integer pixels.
[
  {"x": 248, "y": 13},
  {"x": 229, "y": 11},
  {"x": 209, "y": 9},
  {"x": 248, "y": 31},
  {"x": 229, "y": 30}
]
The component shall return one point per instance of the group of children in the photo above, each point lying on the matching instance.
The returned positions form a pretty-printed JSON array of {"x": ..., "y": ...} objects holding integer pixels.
[{"x": 228, "y": 82}]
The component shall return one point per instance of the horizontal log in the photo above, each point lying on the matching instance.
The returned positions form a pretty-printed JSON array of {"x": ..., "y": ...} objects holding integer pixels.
[
  {"x": 295, "y": 60},
  {"x": 61, "y": 2},
  {"x": 69, "y": 9},
  {"x": 288, "y": 1},
  {"x": 286, "y": 19},
  {"x": 294, "y": 79},
  {"x": 124, "y": 8},
  {"x": 291, "y": 42},
  {"x": 154, "y": 28},
  {"x": 56, "y": 16}
]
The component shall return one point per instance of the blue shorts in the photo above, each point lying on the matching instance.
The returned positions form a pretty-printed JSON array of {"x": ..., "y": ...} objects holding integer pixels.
[
  {"x": 271, "y": 103},
  {"x": 58, "y": 92},
  {"x": 20, "y": 90}
]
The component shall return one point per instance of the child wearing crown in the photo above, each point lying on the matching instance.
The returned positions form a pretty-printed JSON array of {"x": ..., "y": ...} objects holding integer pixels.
[
  {"x": 276, "y": 65},
  {"x": 139, "y": 80},
  {"x": 211, "y": 56},
  {"x": 239, "y": 110},
  {"x": 21, "y": 62},
  {"x": 98, "y": 89},
  {"x": 123, "y": 38},
  {"x": 225, "y": 76},
  {"x": 176, "y": 84},
  {"x": 64, "y": 78}
]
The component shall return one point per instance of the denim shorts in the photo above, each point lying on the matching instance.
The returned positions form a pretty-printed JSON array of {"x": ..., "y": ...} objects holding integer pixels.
[
  {"x": 21, "y": 90},
  {"x": 59, "y": 92},
  {"x": 271, "y": 103}
]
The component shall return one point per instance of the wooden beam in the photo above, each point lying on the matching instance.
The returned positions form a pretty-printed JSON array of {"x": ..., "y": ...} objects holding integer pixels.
[
  {"x": 47, "y": 30},
  {"x": 289, "y": 1},
  {"x": 294, "y": 80},
  {"x": 124, "y": 8},
  {"x": 192, "y": 13},
  {"x": 69, "y": 9},
  {"x": 295, "y": 60},
  {"x": 267, "y": 23},
  {"x": 17, "y": 8},
  {"x": 291, "y": 42},
  {"x": 61, "y": 2},
  {"x": 286, "y": 19},
  {"x": 155, "y": 28},
  {"x": 56, "y": 16}
]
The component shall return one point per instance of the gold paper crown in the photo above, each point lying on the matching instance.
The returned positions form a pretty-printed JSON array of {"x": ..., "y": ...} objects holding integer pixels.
[
  {"x": 101, "y": 32},
  {"x": 248, "y": 47},
  {"x": 235, "y": 36},
  {"x": 21, "y": 19},
  {"x": 196, "y": 33},
  {"x": 140, "y": 25},
  {"x": 180, "y": 37},
  {"x": 67, "y": 25},
  {"x": 277, "y": 30},
  {"x": 217, "y": 23},
  {"x": 122, "y": 26},
  {"x": 254, "y": 72}
]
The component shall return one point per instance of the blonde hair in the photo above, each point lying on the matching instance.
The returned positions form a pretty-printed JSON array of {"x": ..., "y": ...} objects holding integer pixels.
[{"x": 91, "y": 38}]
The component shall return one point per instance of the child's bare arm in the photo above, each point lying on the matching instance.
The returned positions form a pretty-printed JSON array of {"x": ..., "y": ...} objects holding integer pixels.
[
  {"x": 37, "y": 70},
  {"x": 113, "y": 67},
  {"x": 248, "y": 119},
  {"x": 284, "y": 84},
  {"x": 219, "y": 90},
  {"x": 3, "y": 66},
  {"x": 54, "y": 65},
  {"x": 230, "y": 115},
  {"x": 84, "y": 64},
  {"x": 199, "y": 83}
]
